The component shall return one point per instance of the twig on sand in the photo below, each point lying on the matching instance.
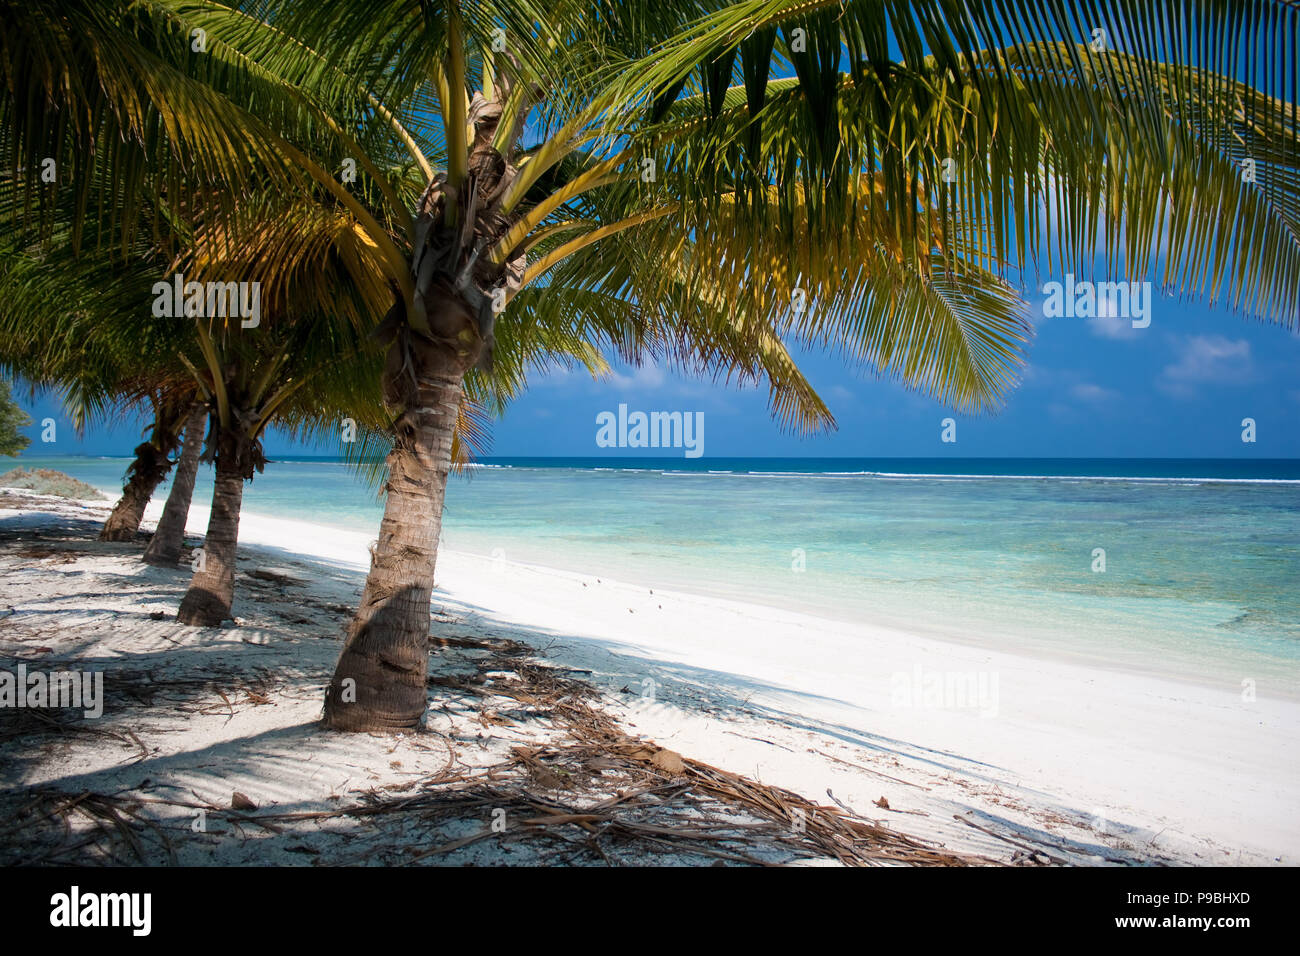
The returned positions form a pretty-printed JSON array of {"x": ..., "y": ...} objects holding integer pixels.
[
  {"x": 850, "y": 763},
  {"x": 1033, "y": 850}
]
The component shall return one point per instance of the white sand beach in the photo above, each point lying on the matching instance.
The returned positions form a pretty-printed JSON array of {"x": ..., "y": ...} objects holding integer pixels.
[{"x": 1001, "y": 755}]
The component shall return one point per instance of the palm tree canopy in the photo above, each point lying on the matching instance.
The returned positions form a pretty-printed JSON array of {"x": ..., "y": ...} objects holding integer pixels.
[{"x": 670, "y": 179}]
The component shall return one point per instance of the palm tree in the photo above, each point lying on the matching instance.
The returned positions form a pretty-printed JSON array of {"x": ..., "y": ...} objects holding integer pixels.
[
  {"x": 152, "y": 463},
  {"x": 99, "y": 343},
  {"x": 673, "y": 178},
  {"x": 301, "y": 374},
  {"x": 291, "y": 371},
  {"x": 63, "y": 326},
  {"x": 169, "y": 536}
]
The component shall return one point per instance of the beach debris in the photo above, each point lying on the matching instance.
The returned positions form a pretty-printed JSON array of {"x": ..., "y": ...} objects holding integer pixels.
[
  {"x": 573, "y": 784},
  {"x": 669, "y": 761},
  {"x": 279, "y": 576},
  {"x": 598, "y": 748},
  {"x": 850, "y": 763},
  {"x": 1034, "y": 853}
]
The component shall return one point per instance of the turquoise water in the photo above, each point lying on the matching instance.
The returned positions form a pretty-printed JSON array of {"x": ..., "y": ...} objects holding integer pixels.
[{"x": 1202, "y": 559}]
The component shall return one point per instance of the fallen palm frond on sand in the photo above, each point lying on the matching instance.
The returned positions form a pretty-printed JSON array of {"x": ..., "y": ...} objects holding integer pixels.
[
  {"x": 555, "y": 797},
  {"x": 524, "y": 761},
  {"x": 599, "y": 743}
]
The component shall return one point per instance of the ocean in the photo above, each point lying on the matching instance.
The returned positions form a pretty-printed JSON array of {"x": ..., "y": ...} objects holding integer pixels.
[{"x": 1186, "y": 567}]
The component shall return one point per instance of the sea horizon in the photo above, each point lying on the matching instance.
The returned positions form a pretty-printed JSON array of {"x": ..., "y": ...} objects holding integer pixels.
[{"x": 1064, "y": 467}]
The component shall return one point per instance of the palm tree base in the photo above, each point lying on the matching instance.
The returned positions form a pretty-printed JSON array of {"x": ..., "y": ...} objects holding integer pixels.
[
  {"x": 375, "y": 694},
  {"x": 353, "y": 721},
  {"x": 124, "y": 521},
  {"x": 161, "y": 560},
  {"x": 146, "y": 474},
  {"x": 202, "y": 608}
]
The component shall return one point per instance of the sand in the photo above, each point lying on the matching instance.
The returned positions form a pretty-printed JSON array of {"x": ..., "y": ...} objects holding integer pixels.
[{"x": 977, "y": 749}]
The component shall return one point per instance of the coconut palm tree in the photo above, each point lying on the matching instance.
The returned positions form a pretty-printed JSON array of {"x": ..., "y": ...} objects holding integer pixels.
[
  {"x": 152, "y": 463},
  {"x": 86, "y": 323},
  {"x": 50, "y": 336},
  {"x": 786, "y": 148},
  {"x": 706, "y": 181},
  {"x": 290, "y": 370},
  {"x": 169, "y": 535}
]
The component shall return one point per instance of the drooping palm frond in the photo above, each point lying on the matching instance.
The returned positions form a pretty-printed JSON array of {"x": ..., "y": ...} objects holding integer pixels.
[
  {"x": 886, "y": 164},
  {"x": 1129, "y": 122}
]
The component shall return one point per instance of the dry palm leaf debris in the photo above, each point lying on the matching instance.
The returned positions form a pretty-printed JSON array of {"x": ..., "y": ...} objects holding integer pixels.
[{"x": 589, "y": 793}]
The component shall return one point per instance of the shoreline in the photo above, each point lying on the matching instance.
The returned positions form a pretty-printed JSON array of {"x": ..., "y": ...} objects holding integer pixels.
[
  {"x": 549, "y": 600},
  {"x": 1152, "y": 618},
  {"x": 268, "y": 531},
  {"x": 1090, "y": 765}
]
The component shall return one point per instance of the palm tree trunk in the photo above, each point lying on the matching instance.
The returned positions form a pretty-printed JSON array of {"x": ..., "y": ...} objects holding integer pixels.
[
  {"x": 212, "y": 589},
  {"x": 149, "y": 469},
  {"x": 169, "y": 537},
  {"x": 379, "y": 683}
]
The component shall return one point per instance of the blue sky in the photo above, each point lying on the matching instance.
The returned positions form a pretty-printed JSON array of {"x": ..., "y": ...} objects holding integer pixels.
[{"x": 1093, "y": 388}]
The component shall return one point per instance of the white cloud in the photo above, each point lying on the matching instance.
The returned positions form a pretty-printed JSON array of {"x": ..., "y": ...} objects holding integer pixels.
[
  {"x": 1111, "y": 326},
  {"x": 1033, "y": 374},
  {"x": 648, "y": 375},
  {"x": 1207, "y": 358},
  {"x": 1067, "y": 382},
  {"x": 1093, "y": 394},
  {"x": 1211, "y": 358}
]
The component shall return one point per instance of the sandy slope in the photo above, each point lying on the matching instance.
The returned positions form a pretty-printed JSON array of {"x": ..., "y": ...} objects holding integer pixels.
[{"x": 1081, "y": 764}]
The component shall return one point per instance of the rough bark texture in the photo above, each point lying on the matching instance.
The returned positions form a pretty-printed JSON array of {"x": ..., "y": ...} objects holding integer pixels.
[
  {"x": 379, "y": 683},
  {"x": 169, "y": 537},
  {"x": 212, "y": 589},
  {"x": 145, "y": 474}
]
